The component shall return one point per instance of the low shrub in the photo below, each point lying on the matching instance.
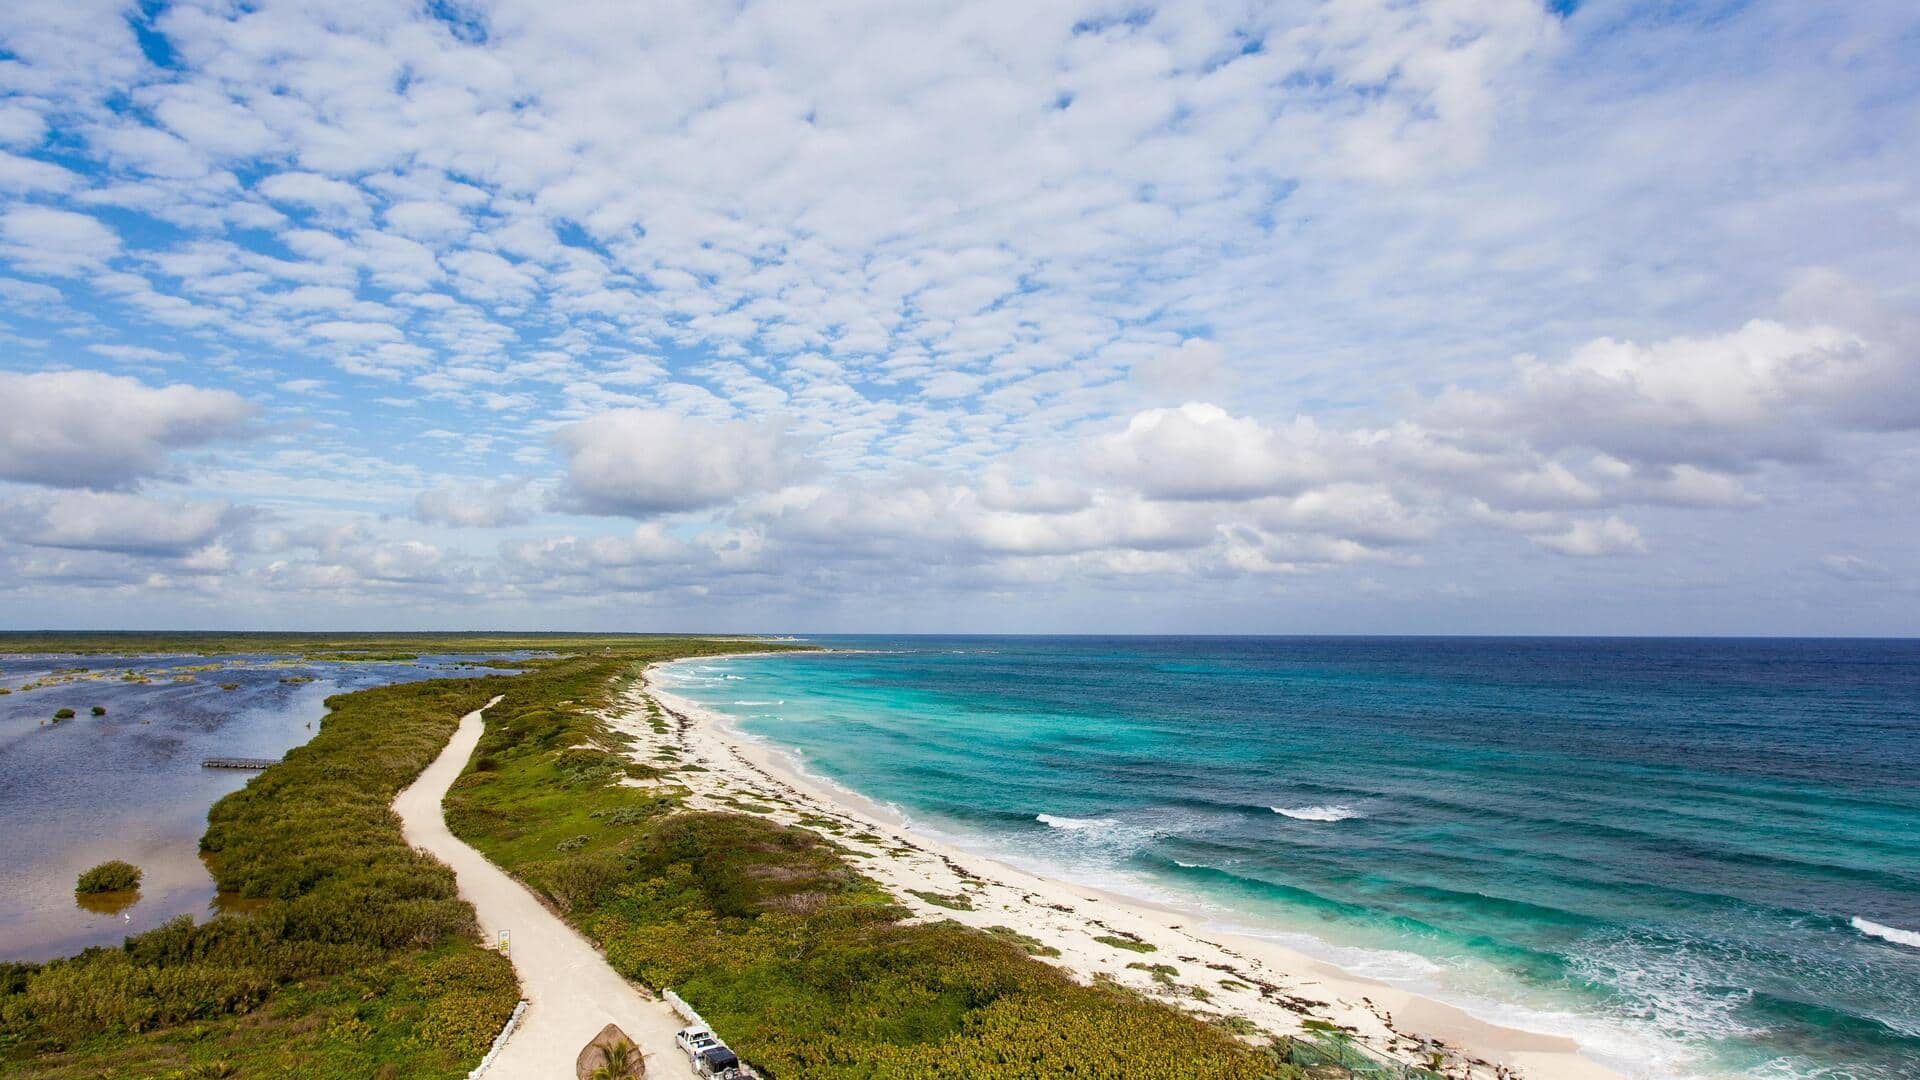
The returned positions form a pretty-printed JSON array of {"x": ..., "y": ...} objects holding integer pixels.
[
  {"x": 1032, "y": 945},
  {"x": 950, "y": 901},
  {"x": 110, "y": 876}
]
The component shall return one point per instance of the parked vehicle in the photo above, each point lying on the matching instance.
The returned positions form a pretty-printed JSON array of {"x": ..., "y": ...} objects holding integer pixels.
[{"x": 710, "y": 1056}]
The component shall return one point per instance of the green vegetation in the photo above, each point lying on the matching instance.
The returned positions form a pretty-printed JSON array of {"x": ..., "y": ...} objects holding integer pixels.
[
  {"x": 1033, "y": 945},
  {"x": 357, "y": 953},
  {"x": 358, "y": 958},
  {"x": 1238, "y": 1025},
  {"x": 950, "y": 901},
  {"x": 807, "y": 967},
  {"x": 99, "y": 710},
  {"x": 110, "y": 876},
  {"x": 1131, "y": 944},
  {"x": 63, "y": 714},
  {"x": 618, "y": 1061}
]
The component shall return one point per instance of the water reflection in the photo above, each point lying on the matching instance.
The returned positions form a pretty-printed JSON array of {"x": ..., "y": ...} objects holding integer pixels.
[
  {"x": 128, "y": 784},
  {"x": 106, "y": 903}
]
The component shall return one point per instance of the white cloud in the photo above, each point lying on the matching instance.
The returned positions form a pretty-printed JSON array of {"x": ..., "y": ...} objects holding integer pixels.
[
  {"x": 20, "y": 126},
  {"x": 1054, "y": 300},
  {"x": 1588, "y": 538},
  {"x": 20, "y": 174},
  {"x": 112, "y": 521},
  {"x": 398, "y": 561},
  {"x": 1200, "y": 451},
  {"x": 60, "y": 243},
  {"x": 1195, "y": 369},
  {"x": 647, "y": 545},
  {"x": 87, "y": 429},
  {"x": 1763, "y": 391},
  {"x": 330, "y": 197},
  {"x": 423, "y": 220},
  {"x": 475, "y": 505},
  {"x": 641, "y": 462},
  {"x": 133, "y": 354}
]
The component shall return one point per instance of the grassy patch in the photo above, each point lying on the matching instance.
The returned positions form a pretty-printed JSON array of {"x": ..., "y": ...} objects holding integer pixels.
[
  {"x": 1238, "y": 1025},
  {"x": 1031, "y": 945},
  {"x": 1131, "y": 944},
  {"x": 950, "y": 901}
]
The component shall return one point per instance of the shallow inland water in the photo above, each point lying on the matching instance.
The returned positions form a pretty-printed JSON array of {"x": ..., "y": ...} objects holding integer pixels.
[
  {"x": 1698, "y": 858},
  {"x": 129, "y": 785}
]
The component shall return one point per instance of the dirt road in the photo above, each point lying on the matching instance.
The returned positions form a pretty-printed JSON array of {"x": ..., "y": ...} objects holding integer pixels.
[{"x": 570, "y": 989}]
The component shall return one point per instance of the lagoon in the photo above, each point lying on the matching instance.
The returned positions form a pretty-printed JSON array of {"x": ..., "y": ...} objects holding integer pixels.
[{"x": 129, "y": 784}]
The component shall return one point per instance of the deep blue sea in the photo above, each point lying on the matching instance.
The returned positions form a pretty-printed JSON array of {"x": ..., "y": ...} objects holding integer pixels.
[{"x": 1698, "y": 857}]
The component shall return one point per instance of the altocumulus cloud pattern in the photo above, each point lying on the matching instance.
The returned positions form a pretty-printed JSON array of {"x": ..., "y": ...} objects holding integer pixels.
[{"x": 1348, "y": 316}]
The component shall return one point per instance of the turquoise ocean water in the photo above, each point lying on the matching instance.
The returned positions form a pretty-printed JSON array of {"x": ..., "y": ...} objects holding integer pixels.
[{"x": 1698, "y": 858}]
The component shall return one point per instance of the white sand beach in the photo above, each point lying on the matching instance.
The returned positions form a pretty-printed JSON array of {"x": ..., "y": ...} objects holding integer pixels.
[{"x": 1157, "y": 951}]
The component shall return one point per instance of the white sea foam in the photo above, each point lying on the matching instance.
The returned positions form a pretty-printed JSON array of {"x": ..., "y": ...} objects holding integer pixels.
[
  {"x": 1056, "y": 822},
  {"x": 1894, "y": 934},
  {"x": 1316, "y": 813},
  {"x": 760, "y": 702}
]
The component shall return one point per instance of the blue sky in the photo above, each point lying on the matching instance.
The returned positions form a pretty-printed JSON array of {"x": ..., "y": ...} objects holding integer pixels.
[{"x": 1346, "y": 316}]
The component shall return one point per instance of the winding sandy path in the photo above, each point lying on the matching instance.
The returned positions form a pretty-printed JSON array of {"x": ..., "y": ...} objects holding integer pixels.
[{"x": 570, "y": 989}]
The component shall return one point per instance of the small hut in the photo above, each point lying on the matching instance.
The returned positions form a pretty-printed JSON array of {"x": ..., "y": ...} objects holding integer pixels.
[{"x": 610, "y": 1056}]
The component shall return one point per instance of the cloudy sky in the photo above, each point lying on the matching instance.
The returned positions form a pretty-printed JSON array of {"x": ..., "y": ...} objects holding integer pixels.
[{"x": 1344, "y": 316}]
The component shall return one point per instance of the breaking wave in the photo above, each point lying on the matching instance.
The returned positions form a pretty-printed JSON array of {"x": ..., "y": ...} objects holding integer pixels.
[
  {"x": 1894, "y": 934},
  {"x": 1055, "y": 822},
  {"x": 1316, "y": 813}
]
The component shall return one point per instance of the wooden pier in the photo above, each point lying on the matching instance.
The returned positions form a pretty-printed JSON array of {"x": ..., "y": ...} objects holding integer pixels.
[{"x": 239, "y": 763}]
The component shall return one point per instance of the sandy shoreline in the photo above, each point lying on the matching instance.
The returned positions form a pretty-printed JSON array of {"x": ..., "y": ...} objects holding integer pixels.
[{"x": 1158, "y": 951}]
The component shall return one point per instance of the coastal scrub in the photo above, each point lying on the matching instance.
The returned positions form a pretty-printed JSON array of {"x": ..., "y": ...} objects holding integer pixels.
[
  {"x": 113, "y": 875},
  {"x": 359, "y": 959},
  {"x": 356, "y": 954},
  {"x": 808, "y": 967}
]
